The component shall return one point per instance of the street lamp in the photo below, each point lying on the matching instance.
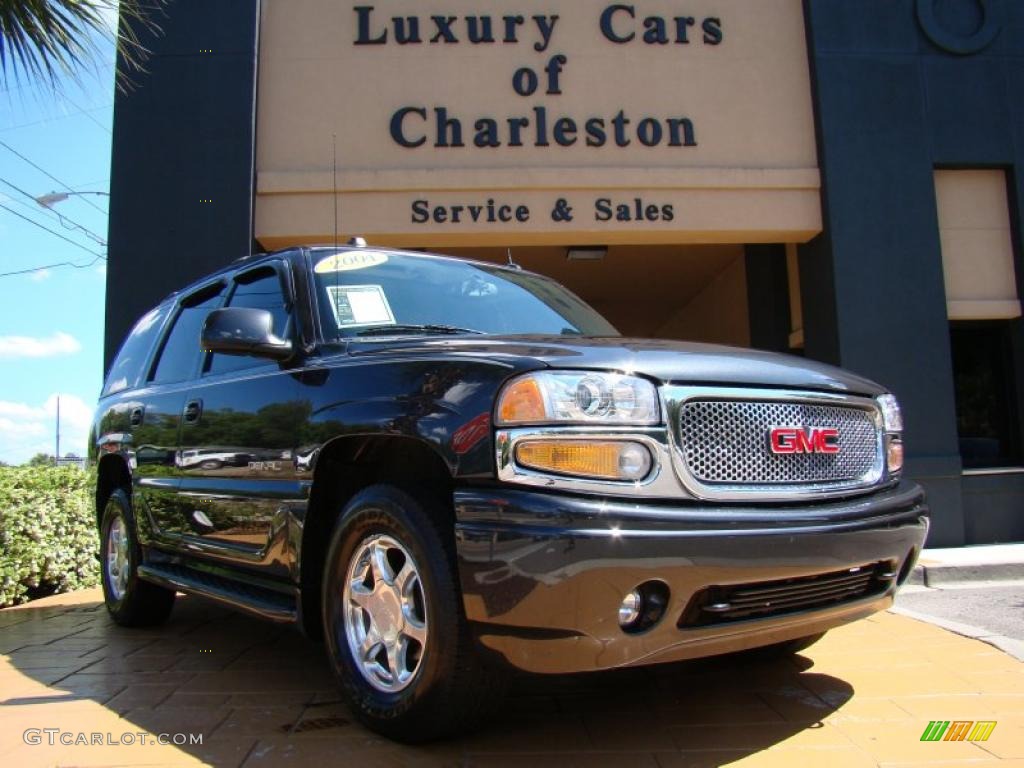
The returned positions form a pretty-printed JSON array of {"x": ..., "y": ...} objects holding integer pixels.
[{"x": 48, "y": 201}]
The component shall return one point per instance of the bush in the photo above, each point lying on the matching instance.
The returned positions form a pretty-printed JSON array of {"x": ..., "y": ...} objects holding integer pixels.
[{"x": 48, "y": 536}]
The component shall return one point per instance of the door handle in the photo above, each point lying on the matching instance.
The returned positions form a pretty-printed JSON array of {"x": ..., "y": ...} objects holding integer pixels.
[
  {"x": 193, "y": 410},
  {"x": 135, "y": 418}
]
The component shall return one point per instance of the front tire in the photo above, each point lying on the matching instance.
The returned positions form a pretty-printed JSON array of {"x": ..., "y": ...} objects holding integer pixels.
[
  {"x": 393, "y": 622},
  {"x": 130, "y": 601}
]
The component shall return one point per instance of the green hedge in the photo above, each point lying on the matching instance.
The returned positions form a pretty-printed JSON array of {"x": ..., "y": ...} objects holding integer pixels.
[{"x": 48, "y": 537}]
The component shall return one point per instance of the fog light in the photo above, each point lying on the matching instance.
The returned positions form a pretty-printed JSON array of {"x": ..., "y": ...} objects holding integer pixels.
[
  {"x": 629, "y": 611},
  {"x": 894, "y": 455},
  {"x": 634, "y": 461},
  {"x": 606, "y": 460},
  {"x": 644, "y": 607}
]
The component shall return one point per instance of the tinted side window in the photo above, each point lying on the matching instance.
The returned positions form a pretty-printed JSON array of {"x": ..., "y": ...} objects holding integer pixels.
[
  {"x": 260, "y": 289},
  {"x": 127, "y": 367},
  {"x": 180, "y": 354}
]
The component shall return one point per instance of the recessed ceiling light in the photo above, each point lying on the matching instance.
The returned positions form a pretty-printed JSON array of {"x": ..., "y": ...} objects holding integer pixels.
[{"x": 587, "y": 253}]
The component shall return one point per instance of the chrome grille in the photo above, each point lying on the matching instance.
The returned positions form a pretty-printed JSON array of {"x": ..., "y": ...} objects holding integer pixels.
[{"x": 727, "y": 443}]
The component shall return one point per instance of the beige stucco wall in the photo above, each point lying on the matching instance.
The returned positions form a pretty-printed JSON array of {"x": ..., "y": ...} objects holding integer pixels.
[
  {"x": 751, "y": 175},
  {"x": 716, "y": 315}
]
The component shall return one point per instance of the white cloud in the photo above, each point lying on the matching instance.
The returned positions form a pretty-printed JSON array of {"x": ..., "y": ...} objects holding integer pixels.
[
  {"x": 26, "y": 429},
  {"x": 59, "y": 343},
  {"x": 39, "y": 275}
]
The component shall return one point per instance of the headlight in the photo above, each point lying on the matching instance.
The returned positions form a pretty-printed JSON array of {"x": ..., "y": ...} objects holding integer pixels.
[
  {"x": 893, "y": 421},
  {"x": 891, "y": 413},
  {"x": 577, "y": 397}
]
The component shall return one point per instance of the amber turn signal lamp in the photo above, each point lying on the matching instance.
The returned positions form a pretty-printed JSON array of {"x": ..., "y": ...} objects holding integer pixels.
[
  {"x": 522, "y": 403},
  {"x": 604, "y": 460},
  {"x": 894, "y": 455}
]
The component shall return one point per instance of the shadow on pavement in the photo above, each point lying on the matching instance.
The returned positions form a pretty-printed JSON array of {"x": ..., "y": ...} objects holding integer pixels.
[{"x": 261, "y": 694}]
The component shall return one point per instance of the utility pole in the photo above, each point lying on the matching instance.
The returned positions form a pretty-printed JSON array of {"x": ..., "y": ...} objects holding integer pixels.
[{"x": 56, "y": 456}]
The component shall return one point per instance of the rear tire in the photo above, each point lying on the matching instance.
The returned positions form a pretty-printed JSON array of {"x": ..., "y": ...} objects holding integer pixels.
[
  {"x": 396, "y": 635},
  {"x": 130, "y": 601}
]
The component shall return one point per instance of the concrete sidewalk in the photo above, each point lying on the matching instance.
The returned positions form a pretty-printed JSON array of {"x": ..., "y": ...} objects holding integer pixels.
[
  {"x": 996, "y": 562},
  {"x": 259, "y": 694}
]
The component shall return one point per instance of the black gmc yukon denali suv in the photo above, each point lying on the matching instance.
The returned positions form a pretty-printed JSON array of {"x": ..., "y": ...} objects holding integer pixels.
[{"x": 445, "y": 467}]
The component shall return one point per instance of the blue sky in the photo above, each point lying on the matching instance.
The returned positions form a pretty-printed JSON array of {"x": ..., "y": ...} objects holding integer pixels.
[{"x": 51, "y": 320}]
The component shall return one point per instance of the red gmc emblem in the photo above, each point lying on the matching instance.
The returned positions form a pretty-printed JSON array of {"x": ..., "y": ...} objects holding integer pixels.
[{"x": 804, "y": 440}]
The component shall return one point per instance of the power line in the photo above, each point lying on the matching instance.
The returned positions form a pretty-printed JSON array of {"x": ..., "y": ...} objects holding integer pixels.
[
  {"x": 52, "y": 232},
  {"x": 32, "y": 207},
  {"x": 11, "y": 149},
  {"x": 8, "y": 128},
  {"x": 104, "y": 66},
  {"x": 52, "y": 266},
  {"x": 90, "y": 117},
  {"x": 74, "y": 224}
]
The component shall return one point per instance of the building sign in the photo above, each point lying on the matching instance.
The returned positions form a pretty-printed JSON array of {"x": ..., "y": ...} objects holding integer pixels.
[
  {"x": 535, "y": 122},
  {"x": 435, "y": 127}
]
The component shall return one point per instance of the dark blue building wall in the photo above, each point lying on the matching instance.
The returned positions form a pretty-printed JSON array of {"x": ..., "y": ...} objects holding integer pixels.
[
  {"x": 183, "y": 135},
  {"x": 891, "y": 107}
]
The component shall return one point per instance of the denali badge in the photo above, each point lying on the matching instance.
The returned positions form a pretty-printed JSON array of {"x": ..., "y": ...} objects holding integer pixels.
[{"x": 804, "y": 440}]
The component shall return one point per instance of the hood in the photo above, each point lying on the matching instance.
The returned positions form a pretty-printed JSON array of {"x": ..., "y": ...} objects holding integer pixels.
[{"x": 670, "y": 362}]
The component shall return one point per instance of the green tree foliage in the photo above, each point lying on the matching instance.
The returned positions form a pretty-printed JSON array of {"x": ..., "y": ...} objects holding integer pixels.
[
  {"x": 41, "y": 460},
  {"x": 48, "y": 536},
  {"x": 42, "y": 39}
]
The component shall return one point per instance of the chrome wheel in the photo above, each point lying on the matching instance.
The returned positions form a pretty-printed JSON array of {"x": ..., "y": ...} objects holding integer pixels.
[
  {"x": 385, "y": 613},
  {"x": 118, "y": 562}
]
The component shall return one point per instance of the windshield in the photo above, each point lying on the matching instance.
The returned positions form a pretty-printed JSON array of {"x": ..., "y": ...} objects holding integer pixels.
[{"x": 362, "y": 292}]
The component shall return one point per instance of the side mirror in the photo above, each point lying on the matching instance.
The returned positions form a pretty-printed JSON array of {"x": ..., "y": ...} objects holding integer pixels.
[{"x": 244, "y": 331}]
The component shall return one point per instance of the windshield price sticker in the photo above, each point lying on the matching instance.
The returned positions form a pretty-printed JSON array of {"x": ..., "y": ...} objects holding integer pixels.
[
  {"x": 359, "y": 305},
  {"x": 350, "y": 261}
]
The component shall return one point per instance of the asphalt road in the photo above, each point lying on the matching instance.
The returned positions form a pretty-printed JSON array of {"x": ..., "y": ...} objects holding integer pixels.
[{"x": 997, "y": 607}]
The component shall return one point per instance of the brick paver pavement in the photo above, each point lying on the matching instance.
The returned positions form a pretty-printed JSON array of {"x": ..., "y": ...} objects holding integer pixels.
[{"x": 262, "y": 695}]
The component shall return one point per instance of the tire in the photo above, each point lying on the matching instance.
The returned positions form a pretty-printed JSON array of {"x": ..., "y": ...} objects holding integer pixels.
[
  {"x": 441, "y": 687},
  {"x": 781, "y": 650},
  {"x": 130, "y": 601}
]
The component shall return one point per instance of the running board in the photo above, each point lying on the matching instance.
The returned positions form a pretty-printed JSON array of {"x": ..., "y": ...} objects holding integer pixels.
[{"x": 264, "y": 603}]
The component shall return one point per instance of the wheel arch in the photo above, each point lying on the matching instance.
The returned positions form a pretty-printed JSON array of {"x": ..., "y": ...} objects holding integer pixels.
[
  {"x": 112, "y": 473},
  {"x": 345, "y": 466}
]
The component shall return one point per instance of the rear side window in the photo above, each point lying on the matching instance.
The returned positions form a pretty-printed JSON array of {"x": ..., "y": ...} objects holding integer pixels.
[
  {"x": 259, "y": 289},
  {"x": 127, "y": 368},
  {"x": 180, "y": 354}
]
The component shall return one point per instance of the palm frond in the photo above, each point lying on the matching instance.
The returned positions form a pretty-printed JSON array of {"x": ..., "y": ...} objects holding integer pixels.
[{"x": 44, "y": 39}]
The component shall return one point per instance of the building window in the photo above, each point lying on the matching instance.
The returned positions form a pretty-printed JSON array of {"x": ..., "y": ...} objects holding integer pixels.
[
  {"x": 980, "y": 271},
  {"x": 986, "y": 408}
]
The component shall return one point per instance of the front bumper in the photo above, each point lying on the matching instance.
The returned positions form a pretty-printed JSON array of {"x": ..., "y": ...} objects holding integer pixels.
[{"x": 543, "y": 575}]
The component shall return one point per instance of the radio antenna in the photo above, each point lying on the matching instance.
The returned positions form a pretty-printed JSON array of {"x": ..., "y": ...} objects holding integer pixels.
[
  {"x": 334, "y": 161},
  {"x": 512, "y": 264}
]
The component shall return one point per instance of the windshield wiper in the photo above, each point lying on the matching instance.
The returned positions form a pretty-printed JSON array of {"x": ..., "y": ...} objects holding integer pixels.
[{"x": 391, "y": 330}]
